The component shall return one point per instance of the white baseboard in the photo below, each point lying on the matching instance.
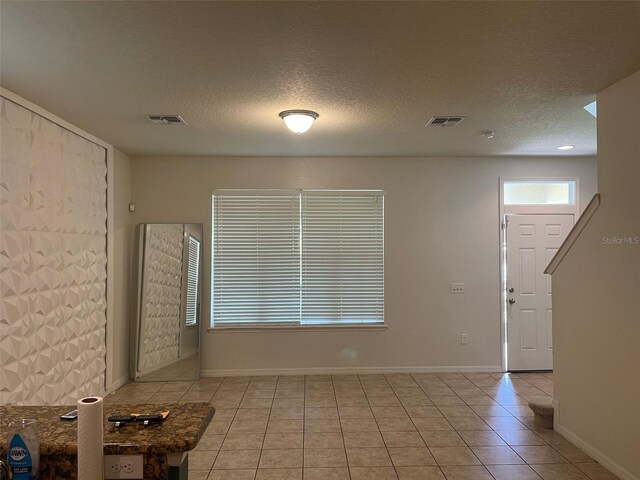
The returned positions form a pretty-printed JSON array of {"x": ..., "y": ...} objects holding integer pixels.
[
  {"x": 556, "y": 413},
  {"x": 604, "y": 460},
  {"x": 118, "y": 383},
  {"x": 239, "y": 372}
]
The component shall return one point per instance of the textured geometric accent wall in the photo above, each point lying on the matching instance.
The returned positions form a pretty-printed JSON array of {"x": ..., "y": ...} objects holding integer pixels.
[
  {"x": 52, "y": 261},
  {"x": 161, "y": 295}
]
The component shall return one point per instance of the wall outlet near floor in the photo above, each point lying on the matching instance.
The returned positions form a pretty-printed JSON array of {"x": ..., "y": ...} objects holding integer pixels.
[
  {"x": 457, "y": 288},
  {"x": 464, "y": 339},
  {"x": 122, "y": 466}
]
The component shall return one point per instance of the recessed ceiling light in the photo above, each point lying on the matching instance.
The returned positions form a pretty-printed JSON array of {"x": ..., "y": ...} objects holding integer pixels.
[
  {"x": 488, "y": 134},
  {"x": 566, "y": 147},
  {"x": 298, "y": 121}
]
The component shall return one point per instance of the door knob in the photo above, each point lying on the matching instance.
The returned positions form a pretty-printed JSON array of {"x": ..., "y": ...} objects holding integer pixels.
[
  {"x": 511, "y": 290},
  {"x": 512, "y": 301}
]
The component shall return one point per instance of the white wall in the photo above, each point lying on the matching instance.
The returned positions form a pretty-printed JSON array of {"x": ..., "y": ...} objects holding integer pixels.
[
  {"x": 53, "y": 258},
  {"x": 119, "y": 240},
  {"x": 596, "y": 292},
  {"x": 161, "y": 292},
  {"x": 123, "y": 245},
  {"x": 441, "y": 226}
]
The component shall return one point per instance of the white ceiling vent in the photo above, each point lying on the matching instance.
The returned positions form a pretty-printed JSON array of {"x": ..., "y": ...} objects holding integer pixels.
[
  {"x": 445, "y": 121},
  {"x": 166, "y": 119}
]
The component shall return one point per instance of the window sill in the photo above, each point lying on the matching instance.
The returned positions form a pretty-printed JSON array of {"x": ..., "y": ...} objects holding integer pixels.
[{"x": 296, "y": 328}]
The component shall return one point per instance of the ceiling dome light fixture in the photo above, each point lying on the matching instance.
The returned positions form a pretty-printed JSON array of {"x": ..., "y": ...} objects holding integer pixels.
[
  {"x": 298, "y": 121},
  {"x": 566, "y": 147}
]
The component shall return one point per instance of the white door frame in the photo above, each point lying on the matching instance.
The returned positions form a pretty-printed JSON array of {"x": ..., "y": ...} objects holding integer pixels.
[{"x": 523, "y": 210}]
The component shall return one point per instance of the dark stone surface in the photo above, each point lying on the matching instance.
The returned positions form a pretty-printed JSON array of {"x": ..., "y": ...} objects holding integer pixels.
[{"x": 180, "y": 432}]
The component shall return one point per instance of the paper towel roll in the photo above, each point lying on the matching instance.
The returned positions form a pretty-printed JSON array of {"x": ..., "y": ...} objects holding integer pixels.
[{"x": 90, "y": 431}]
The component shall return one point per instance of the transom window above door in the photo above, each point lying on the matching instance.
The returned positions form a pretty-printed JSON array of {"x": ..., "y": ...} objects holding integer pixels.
[{"x": 540, "y": 192}]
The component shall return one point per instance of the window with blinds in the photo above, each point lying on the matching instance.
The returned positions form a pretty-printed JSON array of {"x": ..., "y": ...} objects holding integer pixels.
[
  {"x": 256, "y": 257},
  {"x": 310, "y": 257},
  {"x": 342, "y": 257},
  {"x": 193, "y": 266}
]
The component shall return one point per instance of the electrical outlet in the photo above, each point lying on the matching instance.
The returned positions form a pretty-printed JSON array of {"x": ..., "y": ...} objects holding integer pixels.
[
  {"x": 457, "y": 288},
  {"x": 122, "y": 466},
  {"x": 464, "y": 339}
]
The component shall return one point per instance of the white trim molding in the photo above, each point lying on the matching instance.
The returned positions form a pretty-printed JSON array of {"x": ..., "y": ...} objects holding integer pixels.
[
  {"x": 573, "y": 235},
  {"x": 603, "y": 459},
  {"x": 239, "y": 372},
  {"x": 556, "y": 412},
  {"x": 253, "y": 328},
  {"x": 503, "y": 210}
]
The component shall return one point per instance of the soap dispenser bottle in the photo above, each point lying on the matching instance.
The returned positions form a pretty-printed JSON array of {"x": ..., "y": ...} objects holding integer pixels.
[{"x": 23, "y": 449}]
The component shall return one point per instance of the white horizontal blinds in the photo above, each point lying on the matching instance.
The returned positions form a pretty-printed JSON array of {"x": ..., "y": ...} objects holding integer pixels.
[
  {"x": 342, "y": 257},
  {"x": 256, "y": 259},
  {"x": 193, "y": 267}
]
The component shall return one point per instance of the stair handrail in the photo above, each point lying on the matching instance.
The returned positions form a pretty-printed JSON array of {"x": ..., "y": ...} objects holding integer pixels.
[{"x": 573, "y": 235}]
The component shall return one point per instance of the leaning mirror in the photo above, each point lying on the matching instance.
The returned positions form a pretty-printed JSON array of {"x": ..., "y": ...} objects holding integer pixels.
[{"x": 166, "y": 336}]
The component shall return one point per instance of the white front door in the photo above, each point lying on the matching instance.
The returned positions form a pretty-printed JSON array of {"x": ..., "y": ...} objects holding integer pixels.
[{"x": 532, "y": 241}]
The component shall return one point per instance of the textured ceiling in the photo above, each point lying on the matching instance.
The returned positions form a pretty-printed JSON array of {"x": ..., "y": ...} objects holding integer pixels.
[{"x": 375, "y": 71}]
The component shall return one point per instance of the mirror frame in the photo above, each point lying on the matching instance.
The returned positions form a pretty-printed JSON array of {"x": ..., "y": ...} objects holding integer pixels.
[{"x": 195, "y": 230}]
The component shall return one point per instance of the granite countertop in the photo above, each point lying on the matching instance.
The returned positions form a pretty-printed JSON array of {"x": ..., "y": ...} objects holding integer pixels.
[{"x": 179, "y": 432}]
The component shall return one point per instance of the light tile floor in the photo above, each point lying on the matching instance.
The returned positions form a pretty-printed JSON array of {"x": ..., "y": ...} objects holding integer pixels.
[
  {"x": 458, "y": 426},
  {"x": 185, "y": 369}
]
